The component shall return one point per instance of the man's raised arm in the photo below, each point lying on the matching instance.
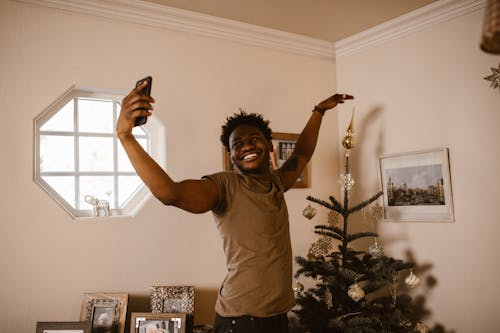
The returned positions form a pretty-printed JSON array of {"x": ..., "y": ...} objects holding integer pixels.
[
  {"x": 195, "y": 196},
  {"x": 306, "y": 143}
]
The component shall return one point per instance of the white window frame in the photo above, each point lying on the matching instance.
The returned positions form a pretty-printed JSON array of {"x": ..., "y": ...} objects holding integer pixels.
[{"x": 154, "y": 132}]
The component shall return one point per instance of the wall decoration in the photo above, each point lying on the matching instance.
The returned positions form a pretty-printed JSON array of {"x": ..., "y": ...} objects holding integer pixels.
[
  {"x": 283, "y": 146},
  {"x": 105, "y": 311},
  {"x": 145, "y": 322},
  {"x": 417, "y": 186},
  {"x": 63, "y": 327},
  {"x": 494, "y": 78}
]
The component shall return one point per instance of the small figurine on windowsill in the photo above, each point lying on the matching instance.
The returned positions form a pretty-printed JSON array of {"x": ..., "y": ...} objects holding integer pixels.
[{"x": 98, "y": 205}]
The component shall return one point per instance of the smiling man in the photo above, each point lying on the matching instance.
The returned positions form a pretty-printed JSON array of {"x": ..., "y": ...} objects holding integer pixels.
[{"x": 249, "y": 209}]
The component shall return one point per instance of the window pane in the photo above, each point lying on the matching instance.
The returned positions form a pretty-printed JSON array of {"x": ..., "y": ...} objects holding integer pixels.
[
  {"x": 95, "y": 116},
  {"x": 124, "y": 164},
  {"x": 63, "y": 120},
  {"x": 64, "y": 186},
  {"x": 127, "y": 186},
  {"x": 96, "y": 154},
  {"x": 57, "y": 153},
  {"x": 100, "y": 187}
]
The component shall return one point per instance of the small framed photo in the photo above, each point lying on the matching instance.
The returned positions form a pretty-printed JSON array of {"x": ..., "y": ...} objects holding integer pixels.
[
  {"x": 283, "y": 147},
  {"x": 172, "y": 299},
  {"x": 105, "y": 311},
  {"x": 145, "y": 322},
  {"x": 63, "y": 327},
  {"x": 417, "y": 186}
]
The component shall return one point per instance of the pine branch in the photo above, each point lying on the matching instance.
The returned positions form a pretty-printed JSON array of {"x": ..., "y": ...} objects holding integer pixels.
[
  {"x": 358, "y": 235},
  {"x": 325, "y": 204},
  {"x": 364, "y": 203},
  {"x": 336, "y": 230},
  {"x": 335, "y": 202},
  {"x": 329, "y": 234}
]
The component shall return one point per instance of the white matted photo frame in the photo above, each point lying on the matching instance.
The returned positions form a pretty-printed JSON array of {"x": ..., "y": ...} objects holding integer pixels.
[
  {"x": 105, "y": 311},
  {"x": 283, "y": 146},
  {"x": 417, "y": 186},
  {"x": 63, "y": 327},
  {"x": 146, "y": 322}
]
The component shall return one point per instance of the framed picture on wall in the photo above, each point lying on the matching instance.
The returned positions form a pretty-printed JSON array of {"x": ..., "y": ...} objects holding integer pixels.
[
  {"x": 417, "y": 186},
  {"x": 145, "y": 322},
  {"x": 283, "y": 147},
  {"x": 105, "y": 311},
  {"x": 63, "y": 327}
]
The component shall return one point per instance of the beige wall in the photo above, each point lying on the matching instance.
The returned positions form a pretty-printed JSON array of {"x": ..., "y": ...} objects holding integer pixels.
[
  {"x": 47, "y": 259},
  {"x": 423, "y": 91}
]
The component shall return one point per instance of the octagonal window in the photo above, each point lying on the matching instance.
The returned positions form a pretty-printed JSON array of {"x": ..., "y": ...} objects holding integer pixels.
[{"x": 79, "y": 160}]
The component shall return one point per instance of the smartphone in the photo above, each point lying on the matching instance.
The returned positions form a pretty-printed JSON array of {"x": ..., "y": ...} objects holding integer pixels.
[{"x": 144, "y": 91}]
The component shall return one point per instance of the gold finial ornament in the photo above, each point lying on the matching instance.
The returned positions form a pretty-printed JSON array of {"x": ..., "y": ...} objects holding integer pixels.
[{"x": 348, "y": 141}]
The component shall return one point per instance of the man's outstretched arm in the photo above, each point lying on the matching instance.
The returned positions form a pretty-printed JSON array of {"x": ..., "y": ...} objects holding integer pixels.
[
  {"x": 195, "y": 196},
  {"x": 306, "y": 143}
]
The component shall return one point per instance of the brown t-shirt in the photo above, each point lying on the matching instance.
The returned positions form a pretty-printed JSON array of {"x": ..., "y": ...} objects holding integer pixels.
[{"x": 252, "y": 219}]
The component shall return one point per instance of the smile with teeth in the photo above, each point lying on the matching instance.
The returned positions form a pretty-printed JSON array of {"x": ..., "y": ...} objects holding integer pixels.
[{"x": 249, "y": 156}]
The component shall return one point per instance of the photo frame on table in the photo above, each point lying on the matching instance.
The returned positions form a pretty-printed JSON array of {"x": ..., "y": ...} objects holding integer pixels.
[
  {"x": 174, "y": 299},
  {"x": 283, "y": 146},
  {"x": 106, "y": 312},
  {"x": 145, "y": 322},
  {"x": 417, "y": 186},
  {"x": 63, "y": 327}
]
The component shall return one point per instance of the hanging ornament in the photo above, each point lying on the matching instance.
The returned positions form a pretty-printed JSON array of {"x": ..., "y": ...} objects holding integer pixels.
[
  {"x": 333, "y": 218},
  {"x": 494, "y": 78},
  {"x": 394, "y": 288},
  {"x": 377, "y": 212},
  {"x": 297, "y": 287},
  {"x": 320, "y": 248},
  {"x": 412, "y": 280},
  {"x": 328, "y": 298},
  {"x": 309, "y": 212},
  {"x": 356, "y": 292},
  {"x": 346, "y": 181},
  {"x": 421, "y": 328},
  {"x": 375, "y": 250}
]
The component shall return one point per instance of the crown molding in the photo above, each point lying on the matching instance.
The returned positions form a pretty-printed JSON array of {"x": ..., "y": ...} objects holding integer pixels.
[
  {"x": 414, "y": 21},
  {"x": 161, "y": 16}
]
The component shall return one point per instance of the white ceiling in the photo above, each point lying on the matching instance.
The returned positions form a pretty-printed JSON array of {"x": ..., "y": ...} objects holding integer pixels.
[{"x": 330, "y": 20}]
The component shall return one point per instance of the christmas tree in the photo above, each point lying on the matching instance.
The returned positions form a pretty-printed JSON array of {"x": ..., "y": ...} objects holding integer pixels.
[{"x": 356, "y": 291}]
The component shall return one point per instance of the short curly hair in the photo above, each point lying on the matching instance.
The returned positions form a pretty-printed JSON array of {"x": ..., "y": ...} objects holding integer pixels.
[{"x": 244, "y": 118}]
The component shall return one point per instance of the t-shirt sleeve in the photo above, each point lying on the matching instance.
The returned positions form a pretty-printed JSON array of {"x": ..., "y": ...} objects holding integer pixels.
[{"x": 222, "y": 181}]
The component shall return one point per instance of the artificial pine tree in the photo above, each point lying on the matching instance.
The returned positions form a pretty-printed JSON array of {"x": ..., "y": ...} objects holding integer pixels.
[{"x": 356, "y": 291}]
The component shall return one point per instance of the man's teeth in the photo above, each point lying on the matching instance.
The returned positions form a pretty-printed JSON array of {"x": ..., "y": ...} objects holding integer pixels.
[{"x": 249, "y": 156}]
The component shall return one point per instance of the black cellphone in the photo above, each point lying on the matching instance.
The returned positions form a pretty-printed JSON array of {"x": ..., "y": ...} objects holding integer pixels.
[{"x": 144, "y": 91}]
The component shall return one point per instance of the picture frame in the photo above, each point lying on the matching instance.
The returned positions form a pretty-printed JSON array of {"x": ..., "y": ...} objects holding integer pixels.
[
  {"x": 417, "y": 186},
  {"x": 147, "y": 322},
  {"x": 63, "y": 327},
  {"x": 105, "y": 311},
  {"x": 174, "y": 299},
  {"x": 283, "y": 146}
]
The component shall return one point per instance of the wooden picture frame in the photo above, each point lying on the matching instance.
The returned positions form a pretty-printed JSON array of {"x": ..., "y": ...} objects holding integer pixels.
[
  {"x": 63, "y": 327},
  {"x": 105, "y": 311},
  {"x": 170, "y": 322},
  {"x": 283, "y": 146},
  {"x": 417, "y": 186}
]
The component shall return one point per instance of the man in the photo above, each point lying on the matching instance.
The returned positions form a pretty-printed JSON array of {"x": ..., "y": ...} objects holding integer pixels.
[{"x": 249, "y": 209}]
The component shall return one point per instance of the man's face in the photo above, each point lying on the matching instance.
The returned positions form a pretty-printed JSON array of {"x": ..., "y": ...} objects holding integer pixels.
[{"x": 249, "y": 149}]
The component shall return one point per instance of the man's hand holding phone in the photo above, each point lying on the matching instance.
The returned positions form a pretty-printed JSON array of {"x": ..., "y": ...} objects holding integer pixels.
[{"x": 136, "y": 107}]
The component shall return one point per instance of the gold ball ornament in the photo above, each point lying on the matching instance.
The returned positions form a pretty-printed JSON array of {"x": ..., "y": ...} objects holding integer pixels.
[
  {"x": 421, "y": 328},
  {"x": 298, "y": 287},
  {"x": 356, "y": 292},
  {"x": 309, "y": 212}
]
